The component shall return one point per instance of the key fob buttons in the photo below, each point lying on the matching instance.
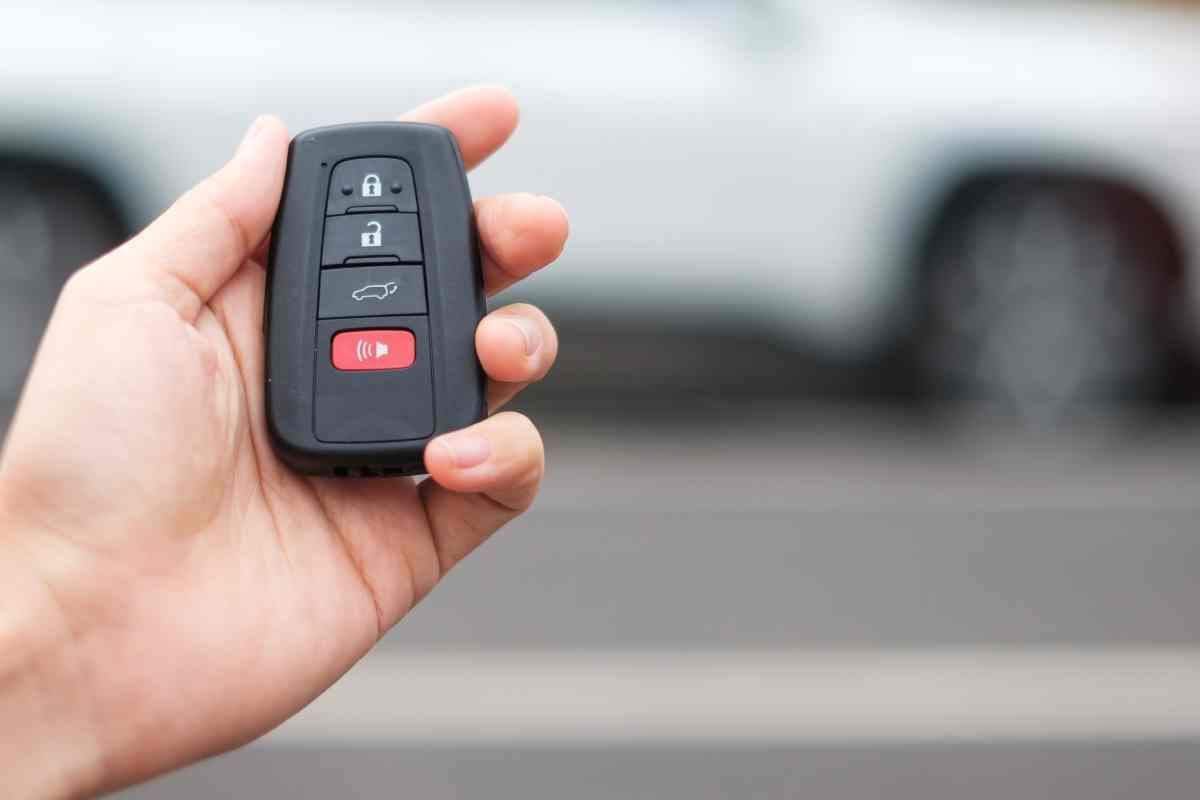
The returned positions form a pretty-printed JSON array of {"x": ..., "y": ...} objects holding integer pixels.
[{"x": 373, "y": 296}]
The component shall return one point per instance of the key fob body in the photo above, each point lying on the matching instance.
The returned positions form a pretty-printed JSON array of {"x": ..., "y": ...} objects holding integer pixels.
[{"x": 373, "y": 295}]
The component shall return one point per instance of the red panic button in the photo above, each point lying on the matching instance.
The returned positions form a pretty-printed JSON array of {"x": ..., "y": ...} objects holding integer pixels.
[{"x": 374, "y": 350}]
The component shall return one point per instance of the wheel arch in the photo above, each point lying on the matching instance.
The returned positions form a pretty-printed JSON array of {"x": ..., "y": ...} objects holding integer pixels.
[
  {"x": 954, "y": 189},
  {"x": 116, "y": 188}
]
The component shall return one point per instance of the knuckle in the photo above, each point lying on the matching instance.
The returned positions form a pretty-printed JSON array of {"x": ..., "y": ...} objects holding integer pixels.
[
  {"x": 201, "y": 218},
  {"x": 534, "y": 467},
  {"x": 82, "y": 283},
  {"x": 88, "y": 284},
  {"x": 524, "y": 500},
  {"x": 531, "y": 448},
  {"x": 526, "y": 481},
  {"x": 235, "y": 240},
  {"x": 523, "y": 427}
]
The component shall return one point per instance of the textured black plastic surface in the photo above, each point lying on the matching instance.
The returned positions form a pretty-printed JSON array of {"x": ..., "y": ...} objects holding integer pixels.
[
  {"x": 410, "y": 417},
  {"x": 373, "y": 291},
  {"x": 326, "y": 421},
  {"x": 394, "y": 183},
  {"x": 397, "y": 235}
]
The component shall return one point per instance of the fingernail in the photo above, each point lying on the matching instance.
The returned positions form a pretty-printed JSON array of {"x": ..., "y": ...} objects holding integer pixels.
[
  {"x": 251, "y": 132},
  {"x": 467, "y": 449},
  {"x": 530, "y": 332}
]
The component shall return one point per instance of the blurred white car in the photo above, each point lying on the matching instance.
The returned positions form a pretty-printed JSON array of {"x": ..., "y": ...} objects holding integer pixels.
[{"x": 1004, "y": 195}]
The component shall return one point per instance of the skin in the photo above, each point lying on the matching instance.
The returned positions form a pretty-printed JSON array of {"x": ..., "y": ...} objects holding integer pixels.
[{"x": 168, "y": 589}]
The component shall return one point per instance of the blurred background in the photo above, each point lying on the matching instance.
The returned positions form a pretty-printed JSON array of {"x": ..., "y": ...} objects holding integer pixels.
[{"x": 874, "y": 447}]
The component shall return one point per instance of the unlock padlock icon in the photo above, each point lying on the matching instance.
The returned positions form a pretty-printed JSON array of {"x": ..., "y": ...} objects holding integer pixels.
[
  {"x": 373, "y": 238},
  {"x": 371, "y": 187}
]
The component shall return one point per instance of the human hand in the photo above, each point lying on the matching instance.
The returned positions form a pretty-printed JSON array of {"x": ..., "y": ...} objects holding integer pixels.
[{"x": 168, "y": 589}]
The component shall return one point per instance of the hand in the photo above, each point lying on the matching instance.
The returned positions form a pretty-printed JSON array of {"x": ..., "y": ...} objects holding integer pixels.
[{"x": 175, "y": 590}]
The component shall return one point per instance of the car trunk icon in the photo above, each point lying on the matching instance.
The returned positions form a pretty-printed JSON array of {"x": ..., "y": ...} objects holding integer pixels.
[{"x": 375, "y": 291}]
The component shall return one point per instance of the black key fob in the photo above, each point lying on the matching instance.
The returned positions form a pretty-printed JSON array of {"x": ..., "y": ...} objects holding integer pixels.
[{"x": 373, "y": 296}]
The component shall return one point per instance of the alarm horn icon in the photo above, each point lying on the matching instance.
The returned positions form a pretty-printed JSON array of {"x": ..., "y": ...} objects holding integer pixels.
[{"x": 364, "y": 350}]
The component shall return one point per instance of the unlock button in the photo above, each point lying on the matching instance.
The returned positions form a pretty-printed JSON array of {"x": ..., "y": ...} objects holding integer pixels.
[{"x": 371, "y": 238}]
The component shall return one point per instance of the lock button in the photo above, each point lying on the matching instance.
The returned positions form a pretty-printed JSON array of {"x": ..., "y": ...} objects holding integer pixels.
[
  {"x": 371, "y": 238},
  {"x": 371, "y": 185}
]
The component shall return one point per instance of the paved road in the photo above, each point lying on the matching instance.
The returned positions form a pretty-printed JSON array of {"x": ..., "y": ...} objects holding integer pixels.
[
  {"x": 845, "y": 534},
  {"x": 1155, "y": 770},
  {"x": 1035, "y": 598}
]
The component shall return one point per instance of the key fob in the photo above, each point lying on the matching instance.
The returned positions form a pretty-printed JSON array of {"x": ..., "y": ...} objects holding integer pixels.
[{"x": 373, "y": 296}]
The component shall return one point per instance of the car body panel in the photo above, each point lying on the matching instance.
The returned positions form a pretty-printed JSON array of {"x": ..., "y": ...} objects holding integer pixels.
[{"x": 766, "y": 164}]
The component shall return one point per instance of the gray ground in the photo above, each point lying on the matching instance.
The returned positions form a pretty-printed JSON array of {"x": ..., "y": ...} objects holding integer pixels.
[
  {"x": 815, "y": 530},
  {"x": 1165, "y": 771}
]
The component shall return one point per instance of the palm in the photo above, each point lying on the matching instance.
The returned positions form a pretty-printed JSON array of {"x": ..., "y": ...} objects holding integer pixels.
[
  {"x": 266, "y": 583},
  {"x": 226, "y": 586},
  {"x": 343, "y": 559}
]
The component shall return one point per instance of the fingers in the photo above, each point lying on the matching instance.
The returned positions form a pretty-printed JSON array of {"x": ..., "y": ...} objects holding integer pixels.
[
  {"x": 480, "y": 478},
  {"x": 189, "y": 252},
  {"x": 192, "y": 249},
  {"x": 481, "y": 119},
  {"x": 520, "y": 234},
  {"x": 517, "y": 345}
]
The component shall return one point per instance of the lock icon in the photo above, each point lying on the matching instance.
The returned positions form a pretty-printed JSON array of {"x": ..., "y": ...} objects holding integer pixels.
[
  {"x": 371, "y": 187},
  {"x": 373, "y": 238}
]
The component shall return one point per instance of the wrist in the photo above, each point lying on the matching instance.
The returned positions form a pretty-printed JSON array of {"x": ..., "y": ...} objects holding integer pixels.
[{"x": 48, "y": 745}]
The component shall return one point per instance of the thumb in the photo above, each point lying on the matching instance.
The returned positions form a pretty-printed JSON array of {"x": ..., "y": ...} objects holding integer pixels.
[{"x": 189, "y": 252}]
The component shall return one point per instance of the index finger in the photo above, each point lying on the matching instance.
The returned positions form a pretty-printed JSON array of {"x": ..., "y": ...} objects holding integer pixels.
[{"x": 481, "y": 119}]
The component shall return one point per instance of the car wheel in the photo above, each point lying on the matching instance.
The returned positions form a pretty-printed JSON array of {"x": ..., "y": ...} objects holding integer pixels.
[
  {"x": 52, "y": 221},
  {"x": 1047, "y": 301}
]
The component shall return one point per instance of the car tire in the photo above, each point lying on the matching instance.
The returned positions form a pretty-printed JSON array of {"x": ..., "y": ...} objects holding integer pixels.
[
  {"x": 53, "y": 220},
  {"x": 1047, "y": 301}
]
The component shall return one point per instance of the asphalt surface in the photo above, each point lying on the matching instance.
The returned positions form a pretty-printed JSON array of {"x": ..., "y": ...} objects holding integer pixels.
[
  {"x": 802, "y": 531},
  {"x": 1160, "y": 770},
  {"x": 800, "y": 536}
]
